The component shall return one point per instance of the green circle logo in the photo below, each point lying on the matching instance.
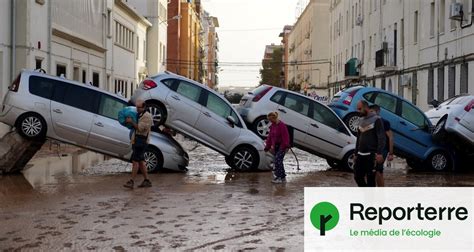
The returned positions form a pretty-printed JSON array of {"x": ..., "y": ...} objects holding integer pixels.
[{"x": 324, "y": 216}]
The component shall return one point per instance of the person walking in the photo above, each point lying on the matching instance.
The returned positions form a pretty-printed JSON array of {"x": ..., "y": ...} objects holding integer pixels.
[
  {"x": 139, "y": 140},
  {"x": 369, "y": 146},
  {"x": 388, "y": 149},
  {"x": 278, "y": 143}
]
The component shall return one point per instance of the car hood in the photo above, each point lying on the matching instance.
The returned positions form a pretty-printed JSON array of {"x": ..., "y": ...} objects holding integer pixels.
[{"x": 164, "y": 138}]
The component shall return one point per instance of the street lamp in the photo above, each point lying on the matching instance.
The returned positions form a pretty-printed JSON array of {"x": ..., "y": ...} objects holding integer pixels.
[{"x": 175, "y": 17}]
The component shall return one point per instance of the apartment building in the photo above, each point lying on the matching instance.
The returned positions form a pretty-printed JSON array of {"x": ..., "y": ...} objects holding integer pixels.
[
  {"x": 419, "y": 49},
  {"x": 309, "y": 49}
]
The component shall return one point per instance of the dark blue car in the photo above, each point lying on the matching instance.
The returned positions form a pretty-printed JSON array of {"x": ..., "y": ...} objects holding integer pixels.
[{"x": 410, "y": 126}]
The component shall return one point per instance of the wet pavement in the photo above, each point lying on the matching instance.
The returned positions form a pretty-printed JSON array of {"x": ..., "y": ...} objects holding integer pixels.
[{"x": 76, "y": 202}]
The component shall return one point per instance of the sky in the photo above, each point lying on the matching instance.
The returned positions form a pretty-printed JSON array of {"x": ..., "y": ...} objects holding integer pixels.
[{"x": 246, "y": 26}]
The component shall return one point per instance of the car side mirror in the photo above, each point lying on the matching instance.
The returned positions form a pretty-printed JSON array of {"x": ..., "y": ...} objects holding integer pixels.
[
  {"x": 435, "y": 103},
  {"x": 231, "y": 121}
]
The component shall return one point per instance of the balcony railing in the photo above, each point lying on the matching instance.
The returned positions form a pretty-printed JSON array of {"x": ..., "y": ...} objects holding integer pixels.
[{"x": 385, "y": 60}]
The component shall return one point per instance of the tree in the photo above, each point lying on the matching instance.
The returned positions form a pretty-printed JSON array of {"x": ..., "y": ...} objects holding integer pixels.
[
  {"x": 233, "y": 98},
  {"x": 271, "y": 72}
]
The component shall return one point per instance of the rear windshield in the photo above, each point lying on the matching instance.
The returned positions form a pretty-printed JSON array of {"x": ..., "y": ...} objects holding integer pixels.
[
  {"x": 349, "y": 90},
  {"x": 259, "y": 89}
]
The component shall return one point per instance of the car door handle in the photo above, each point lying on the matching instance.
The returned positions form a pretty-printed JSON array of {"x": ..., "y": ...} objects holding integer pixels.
[
  {"x": 57, "y": 111},
  {"x": 99, "y": 124},
  {"x": 315, "y": 125},
  {"x": 282, "y": 110},
  {"x": 207, "y": 114},
  {"x": 175, "y": 97},
  {"x": 403, "y": 123}
]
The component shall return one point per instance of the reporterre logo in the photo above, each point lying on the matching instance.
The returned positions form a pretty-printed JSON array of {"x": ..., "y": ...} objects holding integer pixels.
[{"x": 324, "y": 216}]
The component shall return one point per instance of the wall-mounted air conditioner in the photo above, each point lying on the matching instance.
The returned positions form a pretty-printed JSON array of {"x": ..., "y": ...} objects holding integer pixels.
[
  {"x": 359, "y": 21},
  {"x": 406, "y": 80},
  {"x": 455, "y": 11}
]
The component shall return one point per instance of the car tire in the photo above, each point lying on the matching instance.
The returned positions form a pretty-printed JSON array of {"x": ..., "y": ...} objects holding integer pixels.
[
  {"x": 32, "y": 126},
  {"x": 439, "y": 132},
  {"x": 334, "y": 164},
  {"x": 348, "y": 161},
  {"x": 243, "y": 158},
  {"x": 158, "y": 113},
  {"x": 261, "y": 127},
  {"x": 439, "y": 161},
  {"x": 153, "y": 160},
  {"x": 352, "y": 122}
]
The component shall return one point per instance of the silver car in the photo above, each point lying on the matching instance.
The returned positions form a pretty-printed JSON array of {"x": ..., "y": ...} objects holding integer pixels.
[
  {"x": 455, "y": 115},
  {"x": 317, "y": 129},
  {"x": 205, "y": 116},
  {"x": 39, "y": 106}
]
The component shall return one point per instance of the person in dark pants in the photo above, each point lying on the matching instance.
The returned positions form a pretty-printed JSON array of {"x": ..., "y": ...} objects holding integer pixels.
[
  {"x": 278, "y": 143},
  {"x": 369, "y": 146},
  {"x": 387, "y": 151},
  {"x": 139, "y": 144}
]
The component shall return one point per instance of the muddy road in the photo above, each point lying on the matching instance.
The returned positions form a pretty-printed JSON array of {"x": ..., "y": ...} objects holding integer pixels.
[{"x": 65, "y": 201}]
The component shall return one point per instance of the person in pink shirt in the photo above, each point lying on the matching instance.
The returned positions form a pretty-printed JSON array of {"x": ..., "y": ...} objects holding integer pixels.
[{"x": 278, "y": 143}]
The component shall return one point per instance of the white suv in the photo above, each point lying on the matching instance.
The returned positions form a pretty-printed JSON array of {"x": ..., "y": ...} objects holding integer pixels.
[
  {"x": 205, "y": 116},
  {"x": 317, "y": 129}
]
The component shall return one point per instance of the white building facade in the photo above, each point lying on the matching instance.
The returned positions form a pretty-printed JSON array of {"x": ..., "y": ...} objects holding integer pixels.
[
  {"x": 418, "y": 49},
  {"x": 309, "y": 49}
]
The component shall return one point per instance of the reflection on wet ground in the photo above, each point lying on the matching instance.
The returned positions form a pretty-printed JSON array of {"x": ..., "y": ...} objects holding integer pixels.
[{"x": 76, "y": 202}]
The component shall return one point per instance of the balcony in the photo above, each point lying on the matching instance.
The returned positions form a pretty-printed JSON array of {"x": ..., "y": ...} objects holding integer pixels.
[
  {"x": 351, "y": 69},
  {"x": 385, "y": 60}
]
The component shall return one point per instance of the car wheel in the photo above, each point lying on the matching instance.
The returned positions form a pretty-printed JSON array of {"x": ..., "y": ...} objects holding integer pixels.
[
  {"x": 439, "y": 132},
  {"x": 332, "y": 163},
  {"x": 153, "y": 160},
  {"x": 244, "y": 159},
  {"x": 348, "y": 161},
  {"x": 32, "y": 126},
  {"x": 439, "y": 161},
  {"x": 352, "y": 121},
  {"x": 158, "y": 113},
  {"x": 261, "y": 127}
]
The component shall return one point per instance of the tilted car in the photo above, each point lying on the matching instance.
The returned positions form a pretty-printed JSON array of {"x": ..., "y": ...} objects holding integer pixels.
[
  {"x": 205, "y": 116},
  {"x": 39, "y": 106},
  {"x": 411, "y": 127},
  {"x": 455, "y": 115},
  {"x": 317, "y": 129}
]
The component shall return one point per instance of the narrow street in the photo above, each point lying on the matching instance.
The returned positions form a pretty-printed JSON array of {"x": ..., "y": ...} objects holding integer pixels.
[{"x": 76, "y": 201}]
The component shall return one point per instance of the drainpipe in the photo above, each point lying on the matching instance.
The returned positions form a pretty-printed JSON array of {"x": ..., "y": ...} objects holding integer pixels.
[
  {"x": 13, "y": 40},
  {"x": 50, "y": 31}
]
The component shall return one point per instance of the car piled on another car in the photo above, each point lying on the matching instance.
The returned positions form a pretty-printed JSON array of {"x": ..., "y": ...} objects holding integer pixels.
[
  {"x": 411, "y": 127},
  {"x": 40, "y": 105}
]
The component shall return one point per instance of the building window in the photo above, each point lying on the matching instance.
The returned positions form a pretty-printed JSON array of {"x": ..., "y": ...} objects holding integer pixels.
[
  {"x": 453, "y": 22},
  {"x": 144, "y": 50},
  {"x": 442, "y": 15},
  {"x": 124, "y": 37},
  {"x": 75, "y": 73},
  {"x": 402, "y": 33},
  {"x": 452, "y": 81},
  {"x": 383, "y": 84},
  {"x": 430, "y": 85},
  {"x": 464, "y": 78},
  {"x": 84, "y": 76},
  {"x": 109, "y": 23},
  {"x": 432, "y": 19},
  {"x": 414, "y": 89},
  {"x": 61, "y": 69},
  {"x": 39, "y": 63},
  {"x": 440, "y": 84},
  {"x": 415, "y": 28},
  {"x": 95, "y": 79}
]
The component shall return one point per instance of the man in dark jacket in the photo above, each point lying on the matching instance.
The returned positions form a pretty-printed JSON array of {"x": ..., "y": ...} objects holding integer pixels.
[{"x": 369, "y": 146}]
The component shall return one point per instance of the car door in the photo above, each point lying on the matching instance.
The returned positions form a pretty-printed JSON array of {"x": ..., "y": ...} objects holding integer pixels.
[
  {"x": 184, "y": 107},
  {"x": 326, "y": 133},
  {"x": 294, "y": 112},
  {"x": 72, "y": 112},
  {"x": 412, "y": 130},
  {"x": 107, "y": 134},
  {"x": 213, "y": 127}
]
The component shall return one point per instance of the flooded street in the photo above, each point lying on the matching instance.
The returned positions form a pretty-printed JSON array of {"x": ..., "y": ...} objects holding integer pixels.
[{"x": 77, "y": 202}]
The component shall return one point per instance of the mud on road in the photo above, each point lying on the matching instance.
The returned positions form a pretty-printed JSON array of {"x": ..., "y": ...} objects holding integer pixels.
[{"x": 76, "y": 202}]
